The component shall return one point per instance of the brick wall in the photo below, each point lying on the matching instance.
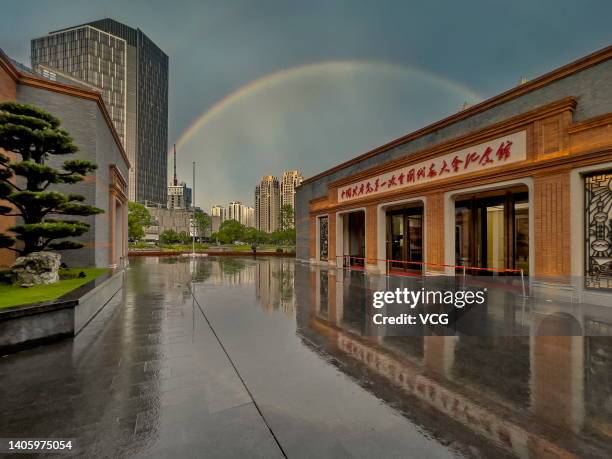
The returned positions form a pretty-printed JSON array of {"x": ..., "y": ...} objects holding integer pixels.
[
  {"x": 8, "y": 91},
  {"x": 84, "y": 121},
  {"x": 552, "y": 215}
]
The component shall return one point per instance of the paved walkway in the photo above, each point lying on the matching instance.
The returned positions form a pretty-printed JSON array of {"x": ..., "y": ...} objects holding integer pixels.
[
  {"x": 149, "y": 377},
  {"x": 146, "y": 378}
]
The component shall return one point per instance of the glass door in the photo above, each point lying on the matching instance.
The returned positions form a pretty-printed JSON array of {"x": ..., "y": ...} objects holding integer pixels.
[
  {"x": 405, "y": 238},
  {"x": 398, "y": 246},
  {"x": 492, "y": 231},
  {"x": 356, "y": 221}
]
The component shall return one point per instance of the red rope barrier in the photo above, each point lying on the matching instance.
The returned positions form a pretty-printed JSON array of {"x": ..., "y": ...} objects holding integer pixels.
[{"x": 440, "y": 265}]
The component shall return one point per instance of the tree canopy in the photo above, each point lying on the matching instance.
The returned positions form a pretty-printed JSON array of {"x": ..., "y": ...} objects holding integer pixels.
[
  {"x": 171, "y": 236},
  {"x": 33, "y": 135},
  {"x": 287, "y": 217},
  {"x": 202, "y": 222},
  {"x": 139, "y": 218},
  {"x": 230, "y": 231}
]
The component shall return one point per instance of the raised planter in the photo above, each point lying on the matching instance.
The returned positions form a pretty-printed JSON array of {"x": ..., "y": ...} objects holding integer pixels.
[{"x": 25, "y": 326}]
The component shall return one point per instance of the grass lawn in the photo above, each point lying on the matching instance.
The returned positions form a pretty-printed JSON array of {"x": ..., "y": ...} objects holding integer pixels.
[{"x": 13, "y": 295}]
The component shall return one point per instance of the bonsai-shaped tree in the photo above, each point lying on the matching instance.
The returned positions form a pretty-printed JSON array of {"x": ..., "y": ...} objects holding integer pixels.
[{"x": 35, "y": 135}]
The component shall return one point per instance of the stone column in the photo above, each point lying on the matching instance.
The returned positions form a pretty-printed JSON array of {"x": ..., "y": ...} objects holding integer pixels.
[
  {"x": 371, "y": 235},
  {"x": 433, "y": 230},
  {"x": 112, "y": 222},
  {"x": 331, "y": 239},
  {"x": 313, "y": 238}
]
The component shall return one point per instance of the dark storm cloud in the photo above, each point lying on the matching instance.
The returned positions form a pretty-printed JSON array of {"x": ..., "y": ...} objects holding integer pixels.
[{"x": 215, "y": 48}]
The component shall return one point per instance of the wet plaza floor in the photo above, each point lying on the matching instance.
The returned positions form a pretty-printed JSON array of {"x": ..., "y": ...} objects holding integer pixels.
[{"x": 237, "y": 357}]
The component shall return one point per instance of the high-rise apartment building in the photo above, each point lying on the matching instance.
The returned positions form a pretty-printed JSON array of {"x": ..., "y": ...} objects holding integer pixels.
[
  {"x": 241, "y": 213},
  {"x": 250, "y": 217},
  {"x": 132, "y": 74},
  {"x": 290, "y": 180},
  {"x": 218, "y": 214},
  {"x": 267, "y": 204},
  {"x": 219, "y": 211},
  {"x": 235, "y": 211}
]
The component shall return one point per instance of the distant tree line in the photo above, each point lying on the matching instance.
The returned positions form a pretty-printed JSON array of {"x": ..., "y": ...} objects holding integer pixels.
[{"x": 232, "y": 231}]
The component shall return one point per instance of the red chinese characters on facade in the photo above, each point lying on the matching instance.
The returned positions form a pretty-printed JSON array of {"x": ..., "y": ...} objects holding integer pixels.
[
  {"x": 486, "y": 157},
  {"x": 471, "y": 160},
  {"x": 456, "y": 163},
  {"x": 503, "y": 152}
]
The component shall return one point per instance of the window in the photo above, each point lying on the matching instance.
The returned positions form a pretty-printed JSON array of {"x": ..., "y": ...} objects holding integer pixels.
[
  {"x": 323, "y": 238},
  {"x": 598, "y": 230}
]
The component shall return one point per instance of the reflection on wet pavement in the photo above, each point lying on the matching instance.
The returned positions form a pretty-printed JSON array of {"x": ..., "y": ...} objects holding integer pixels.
[{"x": 149, "y": 378}]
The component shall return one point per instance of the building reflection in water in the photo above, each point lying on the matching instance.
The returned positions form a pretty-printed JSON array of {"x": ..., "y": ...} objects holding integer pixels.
[
  {"x": 274, "y": 278},
  {"x": 546, "y": 393}
]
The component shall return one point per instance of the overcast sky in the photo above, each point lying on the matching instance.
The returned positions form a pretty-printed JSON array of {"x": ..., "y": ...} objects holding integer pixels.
[{"x": 280, "y": 85}]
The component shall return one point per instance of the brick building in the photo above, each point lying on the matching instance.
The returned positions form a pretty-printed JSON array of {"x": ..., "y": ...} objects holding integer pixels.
[
  {"x": 84, "y": 115},
  {"x": 521, "y": 181}
]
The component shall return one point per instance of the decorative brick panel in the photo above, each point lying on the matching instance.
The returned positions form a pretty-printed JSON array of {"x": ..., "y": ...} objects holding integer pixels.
[
  {"x": 552, "y": 224},
  {"x": 8, "y": 91},
  {"x": 434, "y": 228}
]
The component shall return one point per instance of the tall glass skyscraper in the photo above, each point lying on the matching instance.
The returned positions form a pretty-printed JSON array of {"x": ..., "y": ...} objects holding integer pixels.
[{"x": 132, "y": 73}]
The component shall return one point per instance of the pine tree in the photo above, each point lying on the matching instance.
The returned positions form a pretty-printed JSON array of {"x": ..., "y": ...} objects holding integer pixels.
[{"x": 35, "y": 135}]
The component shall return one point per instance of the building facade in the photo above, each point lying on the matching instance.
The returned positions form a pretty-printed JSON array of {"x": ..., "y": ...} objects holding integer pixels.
[
  {"x": 235, "y": 211},
  {"x": 179, "y": 220},
  {"x": 179, "y": 196},
  {"x": 245, "y": 215},
  {"x": 250, "y": 217},
  {"x": 290, "y": 181},
  {"x": 267, "y": 204},
  {"x": 521, "y": 182},
  {"x": 85, "y": 116},
  {"x": 132, "y": 74},
  {"x": 219, "y": 211}
]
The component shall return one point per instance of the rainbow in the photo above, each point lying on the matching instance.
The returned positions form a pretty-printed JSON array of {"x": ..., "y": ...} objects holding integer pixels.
[{"x": 312, "y": 70}]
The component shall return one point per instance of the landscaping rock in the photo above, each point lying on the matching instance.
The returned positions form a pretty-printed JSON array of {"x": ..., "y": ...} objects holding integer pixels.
[{"x": 36, "y": 268}]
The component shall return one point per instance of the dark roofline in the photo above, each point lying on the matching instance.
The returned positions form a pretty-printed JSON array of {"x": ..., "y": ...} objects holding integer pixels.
[
  {"x": 66, "y": 89},
  {"x": 90, "y": 25}
]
